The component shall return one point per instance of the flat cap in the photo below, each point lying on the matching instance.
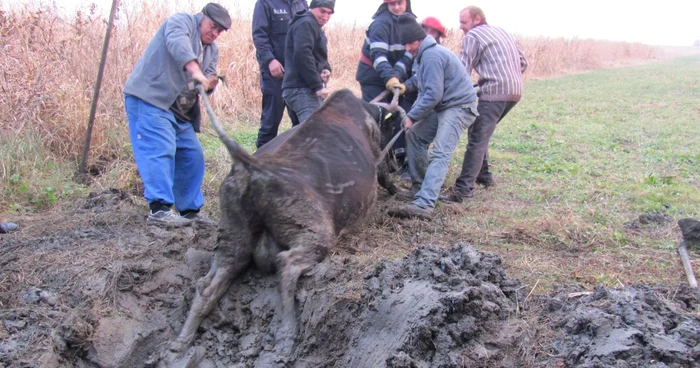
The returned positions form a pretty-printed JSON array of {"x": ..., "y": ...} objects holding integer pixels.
[{"x": 218, "y": 14}]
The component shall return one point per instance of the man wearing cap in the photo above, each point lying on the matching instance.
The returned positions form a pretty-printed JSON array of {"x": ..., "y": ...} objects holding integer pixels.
[
  {"x": 500, "y": 63},
  {"x": 445, "y": 107},
  {"x": 306, "y": 58},
  {"x": 433, "y": 27},
  {"x": 270, "y": 24},
  {"x": 162, "y": 106}
]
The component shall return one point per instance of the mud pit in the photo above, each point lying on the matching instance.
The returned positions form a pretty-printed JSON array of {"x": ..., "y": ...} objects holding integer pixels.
[{"x": 96, "y": 287}]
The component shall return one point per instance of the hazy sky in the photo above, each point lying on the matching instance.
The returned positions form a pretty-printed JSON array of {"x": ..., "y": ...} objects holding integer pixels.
[{"x": 670, "y": 22}]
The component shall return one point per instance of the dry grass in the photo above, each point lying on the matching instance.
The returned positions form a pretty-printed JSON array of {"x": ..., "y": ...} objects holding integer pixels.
[{"x": 50, "y": 64}]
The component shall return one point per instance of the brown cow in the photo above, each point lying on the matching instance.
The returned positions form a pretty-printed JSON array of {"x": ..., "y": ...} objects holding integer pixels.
[{"x": 284, "y": 206}]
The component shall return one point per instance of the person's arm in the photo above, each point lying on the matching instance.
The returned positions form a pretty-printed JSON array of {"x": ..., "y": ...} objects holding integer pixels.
[
  {"x": 210, "y": 71},
  {"x": 179, "y": 45},
  {"x": 470, "y": 53},
  {"x": 304, "y": 42},
  {"x": 523, "y": 61},
  {"x": 378, "y": 34},
  {"x": 432, "y": 75},
  {"x": 261, "y": 33}
]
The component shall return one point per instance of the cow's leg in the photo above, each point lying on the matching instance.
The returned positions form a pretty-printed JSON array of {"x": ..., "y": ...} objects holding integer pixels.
[
  {"x": 233, "y": 254},
  {"x": 308, "y": 250}
]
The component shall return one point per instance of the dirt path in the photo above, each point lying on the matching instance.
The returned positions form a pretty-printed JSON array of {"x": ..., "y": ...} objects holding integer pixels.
[{"x": 95, "y": 287}]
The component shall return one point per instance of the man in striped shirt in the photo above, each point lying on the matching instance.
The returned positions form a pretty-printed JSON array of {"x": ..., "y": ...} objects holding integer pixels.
[{"x": 500, "y": 63}]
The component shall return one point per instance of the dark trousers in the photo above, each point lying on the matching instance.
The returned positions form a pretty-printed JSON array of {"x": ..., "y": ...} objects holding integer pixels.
[
  {"x": 272, "y": 109},
  {"x": 476, "y": 158},
  {"x": 369, "y": 92}
]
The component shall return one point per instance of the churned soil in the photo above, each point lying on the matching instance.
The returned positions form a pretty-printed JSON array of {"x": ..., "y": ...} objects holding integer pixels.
[{"x": 93, "y": 286}]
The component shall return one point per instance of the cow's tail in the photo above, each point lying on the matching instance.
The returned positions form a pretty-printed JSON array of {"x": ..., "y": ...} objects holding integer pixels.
[{"x": 237, "y": 152}]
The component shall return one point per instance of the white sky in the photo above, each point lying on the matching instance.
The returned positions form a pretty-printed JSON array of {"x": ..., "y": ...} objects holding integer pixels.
[{"x": 670, "y": 22}]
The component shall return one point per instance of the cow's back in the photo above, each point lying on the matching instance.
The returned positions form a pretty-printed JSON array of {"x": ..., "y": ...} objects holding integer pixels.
[{"x": 333, "y": 153}]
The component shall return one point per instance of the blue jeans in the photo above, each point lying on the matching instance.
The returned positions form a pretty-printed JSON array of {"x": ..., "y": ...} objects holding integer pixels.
[
  {"x": 428, "y": 169},
  {"x": 168, "y": 155},
  {"x": 302, "y": 101},
  {"x": 272, "y": 109}
]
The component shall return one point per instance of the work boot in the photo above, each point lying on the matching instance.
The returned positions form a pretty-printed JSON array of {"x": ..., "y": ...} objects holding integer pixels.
[
  {"x": 8, "y": 227},
  {"x": 486, "y": 180},
  {"x": 411, "y": 211},
  {"x": 456, "y": 197},
  {"x": 167, "y": 218},
  {"x": 199, "y": 218},
  {"x": 407, "y": 195}
]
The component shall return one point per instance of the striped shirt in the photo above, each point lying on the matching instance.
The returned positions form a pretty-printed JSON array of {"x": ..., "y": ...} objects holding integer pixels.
[{"x": 497, "y": 58}]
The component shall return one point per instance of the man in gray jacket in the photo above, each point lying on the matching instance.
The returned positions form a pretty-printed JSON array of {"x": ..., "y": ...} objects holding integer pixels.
[
  {"x": 162, "y": 106},
  {"x": 445, "y": 107}
]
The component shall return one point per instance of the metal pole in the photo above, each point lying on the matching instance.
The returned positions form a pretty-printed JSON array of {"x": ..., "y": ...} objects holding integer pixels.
[{"x": 82, "y": 168}]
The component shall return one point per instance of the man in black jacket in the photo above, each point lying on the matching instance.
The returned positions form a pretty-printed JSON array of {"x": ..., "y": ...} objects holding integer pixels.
[
  {"x": 306, "y": 58},
  {"x": 271, "y": 20}
]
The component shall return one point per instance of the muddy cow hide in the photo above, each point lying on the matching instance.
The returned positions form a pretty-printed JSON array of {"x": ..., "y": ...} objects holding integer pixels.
[{"x": 283, "y": 207}]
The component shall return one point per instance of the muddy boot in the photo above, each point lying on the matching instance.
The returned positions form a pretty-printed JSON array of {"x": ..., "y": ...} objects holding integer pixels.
[
  {"x": 411, "y": 211},
  {"x": 456, "y": 196},
  {"x": 407, "y": 195},
  {"x": 485, "y": 180},
  {"x": 199, "y": 218},
  {"x": 8, "y": 227}
]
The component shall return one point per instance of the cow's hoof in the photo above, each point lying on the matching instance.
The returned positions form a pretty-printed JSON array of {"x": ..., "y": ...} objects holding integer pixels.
[{"x": 173, "y": 359}]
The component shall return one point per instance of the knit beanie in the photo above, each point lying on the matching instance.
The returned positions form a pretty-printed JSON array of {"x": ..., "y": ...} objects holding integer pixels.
[
  {"x": 330, "y": 4},
  {"x": 409, "y": 29}
]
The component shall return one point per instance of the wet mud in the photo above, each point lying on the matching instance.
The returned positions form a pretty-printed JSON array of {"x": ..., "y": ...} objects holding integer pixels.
[{"x": 97, "y": 287}]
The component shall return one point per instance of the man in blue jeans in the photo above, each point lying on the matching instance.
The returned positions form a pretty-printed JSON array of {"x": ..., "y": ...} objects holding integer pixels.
[
  {"x": 162, "y": 106},
  {"x": 445, "y": 107},
  {"x": 306, "y": 57}
]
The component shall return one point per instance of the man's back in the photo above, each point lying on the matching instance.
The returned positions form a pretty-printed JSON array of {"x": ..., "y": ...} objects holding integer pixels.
[{"x": 499, "y": 61}]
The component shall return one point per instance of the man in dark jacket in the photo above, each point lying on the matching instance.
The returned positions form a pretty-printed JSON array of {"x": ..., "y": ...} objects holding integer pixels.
[
  {"x": 271, "y": 20},
  {"x": 162, "y": 106},
  {"x": 306, "y": 57},
  {"x": 385, "y": 62}
]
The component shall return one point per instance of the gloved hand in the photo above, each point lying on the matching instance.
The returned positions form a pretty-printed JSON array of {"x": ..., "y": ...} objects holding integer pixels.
[
  {"x": 394, "y": 82},
  {"x": 391, "y": 83}
]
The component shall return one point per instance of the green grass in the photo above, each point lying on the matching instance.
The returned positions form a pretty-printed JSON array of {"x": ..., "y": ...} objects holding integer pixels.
[{"x": 612, "y": 141}]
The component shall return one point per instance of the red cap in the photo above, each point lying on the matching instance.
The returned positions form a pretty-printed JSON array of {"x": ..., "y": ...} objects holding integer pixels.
[{"x": 433, "y": 23}]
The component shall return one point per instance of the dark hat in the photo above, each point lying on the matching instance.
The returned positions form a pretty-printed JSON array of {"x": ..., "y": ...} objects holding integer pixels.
[
  {"x": 330, "y": 4},
  {"x": 409, "y": 29},
  {"x": 218, "y": 14}
]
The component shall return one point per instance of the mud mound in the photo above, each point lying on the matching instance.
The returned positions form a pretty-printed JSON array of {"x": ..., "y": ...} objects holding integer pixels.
[
  {"x": 94, "y": 286},
  {"x": 637, "y": 326}
]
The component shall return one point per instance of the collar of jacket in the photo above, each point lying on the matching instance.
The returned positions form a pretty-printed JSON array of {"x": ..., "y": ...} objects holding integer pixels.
[{"x": 427, "y": 43}]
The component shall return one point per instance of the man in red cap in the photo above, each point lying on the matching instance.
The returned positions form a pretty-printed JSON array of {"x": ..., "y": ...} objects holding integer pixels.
[{"x": 433, "y": 27}]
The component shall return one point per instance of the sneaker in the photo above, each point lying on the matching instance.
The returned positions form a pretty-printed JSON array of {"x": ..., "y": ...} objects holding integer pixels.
[
  {"x": 456, "y": 197},
  {"x": 8, "y": 227},
  {"x": 167, "y": 219},
  {"x": 200, "y": 218},
  {"x": 486, "y": 181},
  {"x": 411, "y": 211}
]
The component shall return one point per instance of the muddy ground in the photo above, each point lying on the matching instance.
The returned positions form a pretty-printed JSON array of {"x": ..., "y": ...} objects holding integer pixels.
[{"x": 94, "y": 286}]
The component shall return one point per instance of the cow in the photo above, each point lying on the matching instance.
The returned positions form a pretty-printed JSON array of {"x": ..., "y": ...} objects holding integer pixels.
[{"x": 284, "y": 206}]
